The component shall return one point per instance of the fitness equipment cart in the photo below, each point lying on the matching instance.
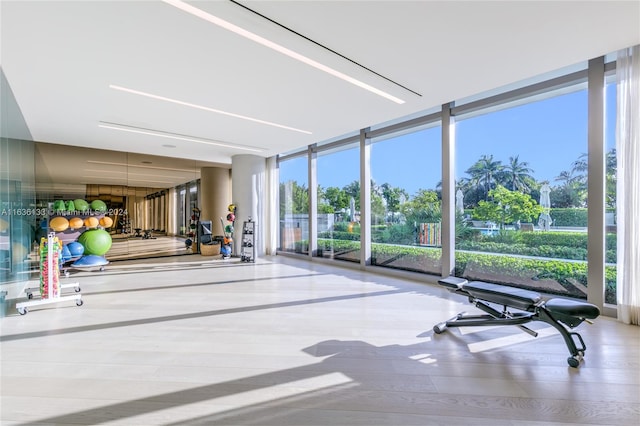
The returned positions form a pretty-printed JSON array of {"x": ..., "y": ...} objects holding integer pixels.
[
  {"x": 50, "y": 253},
  {"x": 248, "y": 242}
]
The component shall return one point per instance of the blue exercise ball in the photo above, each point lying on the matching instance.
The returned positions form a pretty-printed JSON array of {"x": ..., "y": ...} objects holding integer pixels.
[
  {"x": 75, "y": 249},
  {"x": 66, "y": 253}
]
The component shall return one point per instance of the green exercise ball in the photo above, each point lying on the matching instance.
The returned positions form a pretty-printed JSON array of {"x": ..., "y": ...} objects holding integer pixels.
[
  {"x": 81, "y": 205},
  {"x": 95, "y": 241},
  {"x": 98, "y": 205}
]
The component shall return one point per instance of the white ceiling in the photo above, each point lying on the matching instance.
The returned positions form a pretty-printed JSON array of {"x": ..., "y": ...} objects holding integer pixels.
[{"x": 60, "y": 57}]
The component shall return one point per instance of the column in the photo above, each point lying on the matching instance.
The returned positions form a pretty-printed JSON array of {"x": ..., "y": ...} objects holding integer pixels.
[
  {"x": 215, "y": 196},
  {"x": 248, "y": 190}
]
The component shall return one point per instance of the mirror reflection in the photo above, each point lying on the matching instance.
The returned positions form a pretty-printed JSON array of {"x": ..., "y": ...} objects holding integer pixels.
[{"x": 144, "y": 202}]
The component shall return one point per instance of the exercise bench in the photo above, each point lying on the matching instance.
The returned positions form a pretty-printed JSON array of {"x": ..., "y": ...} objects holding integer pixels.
[{"x": 562, "y": 314}]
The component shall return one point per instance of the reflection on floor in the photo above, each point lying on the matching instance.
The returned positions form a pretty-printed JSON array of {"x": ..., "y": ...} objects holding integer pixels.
[
  {"x": 196, "y": 341},
  {"x": 150, "y": 247}
]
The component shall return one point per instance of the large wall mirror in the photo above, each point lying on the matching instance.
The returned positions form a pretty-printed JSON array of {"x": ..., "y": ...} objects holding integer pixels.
[{"x": 151, "y": 201}]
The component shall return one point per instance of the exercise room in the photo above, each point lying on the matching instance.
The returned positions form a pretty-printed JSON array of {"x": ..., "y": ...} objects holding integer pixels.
[{"x": 319, "y": 213}]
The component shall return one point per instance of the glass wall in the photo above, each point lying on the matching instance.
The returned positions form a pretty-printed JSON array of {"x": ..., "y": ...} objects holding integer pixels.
[
  {"x": 338, "y": 223},
  {"x": 294, "y": 205},
  {"x": 18, "y": 212},
  {"x": 522, "y": 175},
  {"x": 406, "y": 199}
]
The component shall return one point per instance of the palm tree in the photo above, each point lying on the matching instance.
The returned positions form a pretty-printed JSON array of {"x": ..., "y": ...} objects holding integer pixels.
[
  {"x": 581, "y": 164},
  {"x": 580, "y": 167},
  {"x": 572, "y": 190},
  {"x": 484, "y": 172},
  {"x": 517, "y": 175}
]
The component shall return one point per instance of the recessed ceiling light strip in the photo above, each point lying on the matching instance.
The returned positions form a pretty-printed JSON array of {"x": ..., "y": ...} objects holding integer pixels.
[
  {"x": 141, "y": 130},
  {"x": 278, "y": 48},
  {"x": 217, "y": 111},
  {"x": 237, "y": 3}
]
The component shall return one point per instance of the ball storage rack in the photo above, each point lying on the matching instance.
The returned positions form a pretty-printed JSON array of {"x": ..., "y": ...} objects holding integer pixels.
[
  {"x": 248, "y": 249},
  {"x": 50, "y": 292}
]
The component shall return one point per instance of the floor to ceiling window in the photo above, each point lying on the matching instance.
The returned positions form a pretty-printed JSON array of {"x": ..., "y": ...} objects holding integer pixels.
[
  {"x": 338, "y": 223},
  {"x": 521, "y": 172},
  {"x": 611, "y": 163},
  {"x": 406, "y": 215},
  {"x": 294, "y": 205},
  {"x": 520, "y": 191}
]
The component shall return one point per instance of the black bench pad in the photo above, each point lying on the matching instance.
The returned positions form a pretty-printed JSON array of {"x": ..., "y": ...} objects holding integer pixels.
[
  {"x": 503, "y": 295},
  {"x": 572, "y": 308}
]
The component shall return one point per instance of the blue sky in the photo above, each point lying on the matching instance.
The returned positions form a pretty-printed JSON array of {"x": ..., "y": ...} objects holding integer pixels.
[{"x": 549, "y": 134}]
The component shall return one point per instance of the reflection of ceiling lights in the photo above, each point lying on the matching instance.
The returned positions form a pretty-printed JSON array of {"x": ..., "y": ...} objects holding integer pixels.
[
  {"x": 217, "y": 111},
  {"x": 159, "y": 133},
  {"x": 278, "y": 48},
  {"x": 130, "y": 166}
]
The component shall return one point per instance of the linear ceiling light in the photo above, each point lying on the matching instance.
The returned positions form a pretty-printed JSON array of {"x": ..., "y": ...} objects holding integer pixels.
[
  {"x": 217, "y": 111},
  {"x": 132, "y": 129},
  {"x": 278, "y": 48}
]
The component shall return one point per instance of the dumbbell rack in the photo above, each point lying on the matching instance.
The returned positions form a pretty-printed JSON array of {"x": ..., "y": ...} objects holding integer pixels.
[
  {"x": 53, "y": 291},
  {"x": 248, "y": 242}
]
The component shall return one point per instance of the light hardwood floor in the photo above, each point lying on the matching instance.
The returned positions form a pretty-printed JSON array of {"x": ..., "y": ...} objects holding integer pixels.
[{"x": 289, "y": 342}]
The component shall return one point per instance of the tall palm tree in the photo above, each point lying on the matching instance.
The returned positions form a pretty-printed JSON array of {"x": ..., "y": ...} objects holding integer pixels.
[
  {"x": 484, "y": 172},
  {"x": 580, "y": 167},
  {"x": 517, "y": 175}
]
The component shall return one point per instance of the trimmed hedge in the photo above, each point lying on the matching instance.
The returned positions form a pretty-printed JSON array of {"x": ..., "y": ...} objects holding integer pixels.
[
  {"x": 568, "y": 278},
  {"x": 339, "y": 235},
  {"x": 569, "y": 217}
]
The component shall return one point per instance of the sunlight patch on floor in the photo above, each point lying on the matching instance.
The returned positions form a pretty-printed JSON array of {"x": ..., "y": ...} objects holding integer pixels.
[{"x": 509, "y": 340}]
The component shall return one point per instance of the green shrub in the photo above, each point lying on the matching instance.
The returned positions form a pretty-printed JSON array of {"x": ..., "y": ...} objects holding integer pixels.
[
  {"x": 569, "y": 217},
  {"x": 339, "y": 235},
  {"x": 509, "y": 270},
  {"x": 569, "y": 239},
  {"x": 559, "y": 252}
]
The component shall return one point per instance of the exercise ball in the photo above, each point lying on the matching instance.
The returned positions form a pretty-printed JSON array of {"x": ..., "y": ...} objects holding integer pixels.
[
  {"x": 71, "y": 207},
  {"x": 228, "y": 229},
  {"x": 75, "y": 223},
  {"x": 231, "y": 217},
  {"x": 106, "y": 222},
  {"x": 225, "y": 251},
  {"x": 59, "y": 224},
  {"x": 81, "y": 205},
  {"x": 99, "y": 206},
  {"x": 91, "y": 222},
  {"x": 232, "y": 208},
  {"x": 95, "y": 241},
  {"x": 66, "y": 253},
  {"x": 90, "y": 261},
  {"x": 75, "y": 248}
]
